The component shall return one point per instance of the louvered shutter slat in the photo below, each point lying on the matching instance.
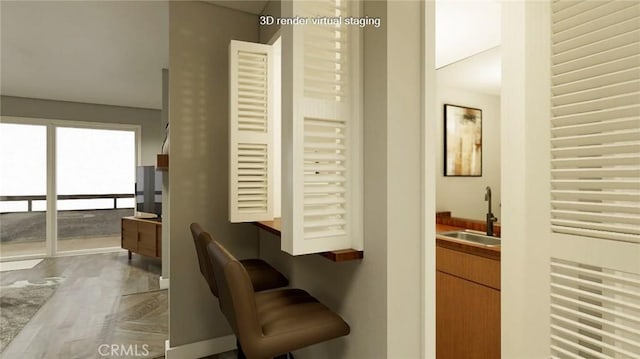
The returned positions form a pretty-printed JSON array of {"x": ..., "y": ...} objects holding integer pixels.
[
  {"x": 596, "y": 195},
  {"x": 594, "y": 206},
  {"x": 602, "y": 91},
  {"x": 600, "y": 115},
  {"x": 583, "y": 184},
  {"x": 600, "y": 126},
  {"x": 598, "y": 138},
  {"x": 612, "y": 101},
  {"x": 250, "y": 137},
  {"x": 595, "y": 161}
]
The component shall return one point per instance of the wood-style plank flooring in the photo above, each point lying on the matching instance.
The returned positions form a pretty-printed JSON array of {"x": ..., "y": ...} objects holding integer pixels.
[{"x": 96, "y": 304}]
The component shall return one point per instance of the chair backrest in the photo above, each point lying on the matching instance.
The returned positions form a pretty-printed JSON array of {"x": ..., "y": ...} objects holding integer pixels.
[
  {"x": 203, "y": 256},
  {"x": 237, "y": 299}
]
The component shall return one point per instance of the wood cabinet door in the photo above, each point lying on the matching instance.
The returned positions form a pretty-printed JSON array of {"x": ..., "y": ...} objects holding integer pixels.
[
  {"x": 159, "y": 241},
  {"x": 147, "y": 239},
  {"x": 467, "y": 319},
  {"x": 129, "y": 234}
]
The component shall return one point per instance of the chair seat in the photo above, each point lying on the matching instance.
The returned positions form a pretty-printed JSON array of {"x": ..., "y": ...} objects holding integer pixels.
[
  {"x": 293, "y": 319},
  {"x": 263, "y": 275},
  {"x": 270, "y": 300}
]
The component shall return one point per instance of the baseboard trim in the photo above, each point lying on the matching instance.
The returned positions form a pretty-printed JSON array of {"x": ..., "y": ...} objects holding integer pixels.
[
  {"x": 164, "y": 282},
  {"x": 200, "y": 349}
]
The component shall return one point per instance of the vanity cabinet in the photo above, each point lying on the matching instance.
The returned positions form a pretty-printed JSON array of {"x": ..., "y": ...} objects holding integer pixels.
[
  {"x": 142, "y": 236},
  {"x": 467, "y": 305}
]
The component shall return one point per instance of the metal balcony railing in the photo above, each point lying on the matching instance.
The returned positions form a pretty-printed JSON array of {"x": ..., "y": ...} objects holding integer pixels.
[{"x": 31, "y": 198}]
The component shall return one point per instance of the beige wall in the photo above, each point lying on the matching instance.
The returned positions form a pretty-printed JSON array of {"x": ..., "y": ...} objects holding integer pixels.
[
  {"x": 464, "y": 196},
  {"x": 148, "y": 119},
  {"x": 272, "y": 8},
  {"x": 198, "y": 172}
]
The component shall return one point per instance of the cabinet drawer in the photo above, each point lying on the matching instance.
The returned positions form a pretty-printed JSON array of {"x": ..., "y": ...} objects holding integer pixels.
[{"x": 474, "y": 268}]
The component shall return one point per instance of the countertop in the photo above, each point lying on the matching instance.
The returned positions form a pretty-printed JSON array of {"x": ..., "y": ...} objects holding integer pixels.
[{"x": 471, "y": 248}]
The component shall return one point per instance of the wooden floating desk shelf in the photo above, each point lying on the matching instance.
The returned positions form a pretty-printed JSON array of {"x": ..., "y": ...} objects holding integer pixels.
[
  {"x": 162, "y": 162},
  {"x": 341, "y": 255}
]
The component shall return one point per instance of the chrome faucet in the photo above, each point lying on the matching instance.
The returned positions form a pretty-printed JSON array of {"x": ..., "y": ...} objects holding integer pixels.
[{"x": 490, "y": 217}]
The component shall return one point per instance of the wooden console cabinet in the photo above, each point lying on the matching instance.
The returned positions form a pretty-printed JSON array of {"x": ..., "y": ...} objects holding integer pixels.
[{"x": 142, "y": 236}]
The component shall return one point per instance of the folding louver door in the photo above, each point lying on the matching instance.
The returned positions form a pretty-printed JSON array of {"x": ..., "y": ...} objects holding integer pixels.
[
  {"x": 321, "y": 128},
  {"x": 250, "y": 132},
  {"x": 595, "y": 179}
]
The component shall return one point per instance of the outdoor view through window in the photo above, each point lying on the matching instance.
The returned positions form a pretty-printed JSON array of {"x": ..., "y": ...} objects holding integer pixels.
[{"x": 94, "y": 185}]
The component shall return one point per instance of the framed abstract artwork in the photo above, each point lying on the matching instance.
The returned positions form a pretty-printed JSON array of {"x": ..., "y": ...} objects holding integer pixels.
[{"x": 462, "y": 141}]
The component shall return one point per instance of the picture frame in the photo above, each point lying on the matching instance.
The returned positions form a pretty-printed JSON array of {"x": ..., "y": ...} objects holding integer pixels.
[{"x": 462, "y": 141}]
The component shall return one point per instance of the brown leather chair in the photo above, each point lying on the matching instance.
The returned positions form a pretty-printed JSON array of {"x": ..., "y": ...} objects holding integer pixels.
[
  {"x": 263, "y": 276},
  {"x": 271, "y": 323}
]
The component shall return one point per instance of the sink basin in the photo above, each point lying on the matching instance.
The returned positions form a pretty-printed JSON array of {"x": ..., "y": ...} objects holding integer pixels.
[{"x": 472, "y": 237}]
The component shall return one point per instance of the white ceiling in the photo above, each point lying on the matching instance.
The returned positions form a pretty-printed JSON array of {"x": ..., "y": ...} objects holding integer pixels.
[
  {"x": 468, "y": 36},
  {"x": 479, "y": 73},
  {"x": 110, "y": 52}
]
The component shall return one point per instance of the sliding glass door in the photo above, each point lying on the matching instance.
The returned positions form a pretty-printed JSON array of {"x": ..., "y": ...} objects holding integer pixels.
[
  {"x": 64, "y": 186},
  {"x": 95, "y": 175},
  {"x": 23, "y": 190}
]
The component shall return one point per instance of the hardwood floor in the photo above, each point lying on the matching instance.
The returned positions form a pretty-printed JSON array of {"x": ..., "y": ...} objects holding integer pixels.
[{"x": 96, "y": 304}]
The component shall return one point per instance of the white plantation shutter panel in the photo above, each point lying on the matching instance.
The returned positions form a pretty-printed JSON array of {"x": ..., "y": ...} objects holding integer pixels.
[
  {"x": 595, "y": 143},
  {"x": 595, "y": 179},
  {"x": 324, "y": 204},
  {"x": 250, "y": 132}
]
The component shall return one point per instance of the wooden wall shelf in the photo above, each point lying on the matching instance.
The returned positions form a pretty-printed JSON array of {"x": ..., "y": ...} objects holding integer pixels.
[
  {"x": 162, "y": 162},
  {"x": 341, "y": 255}
]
